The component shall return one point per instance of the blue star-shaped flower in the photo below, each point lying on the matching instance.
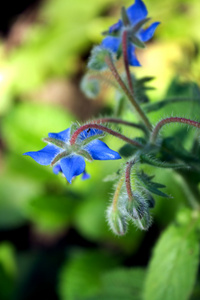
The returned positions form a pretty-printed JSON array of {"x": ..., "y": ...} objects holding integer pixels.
[
  {"x": 135, "y": 13},
  {"x": 69, "y": 159}
]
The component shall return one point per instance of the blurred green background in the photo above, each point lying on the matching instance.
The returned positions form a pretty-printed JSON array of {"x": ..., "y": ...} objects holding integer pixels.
[{"x": 54, "y": 236}]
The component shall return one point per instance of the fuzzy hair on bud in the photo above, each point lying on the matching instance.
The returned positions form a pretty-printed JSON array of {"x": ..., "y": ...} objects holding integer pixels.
[{"x": 117, "y": 221}]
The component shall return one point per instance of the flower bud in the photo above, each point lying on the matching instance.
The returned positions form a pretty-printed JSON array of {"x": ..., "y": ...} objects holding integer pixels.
[
  {"x": 117, "y": 220},
  {"x": 90, "y": 86},
  {"x": 97, "y": 60}
]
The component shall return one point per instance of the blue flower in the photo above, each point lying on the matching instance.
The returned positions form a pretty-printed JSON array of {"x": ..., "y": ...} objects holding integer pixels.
[
  {"x": 70, "y": 159},
  {"x": 135, "y": 13}
]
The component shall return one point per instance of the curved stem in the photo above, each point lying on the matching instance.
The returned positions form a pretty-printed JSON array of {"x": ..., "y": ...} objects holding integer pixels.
[
  {"x": 105, "y": 129},
  {"x": 118, "y": 121},
  {"x": 137, "y": 107},
  {"x": 163, "y": 122},
  {"x": 125, "y": 56}
]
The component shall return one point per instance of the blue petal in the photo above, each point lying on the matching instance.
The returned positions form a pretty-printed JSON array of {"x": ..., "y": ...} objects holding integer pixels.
[
  {"x": 62, "y": 136},
  {"x": 72, "y": 166},
  {"x": 111, "y": 43},
  {"x": 100, "y": 151},
  {"x": 57, "y": 169},
  {"x": 146, "y": 34},
  {"x": 132, "y": 59},
  {"x": 85, "y": 176},
  {"x": 137, "y": 12},
  {"x": 117, "y": 26},
  {"x": 89, "y": 132},
  {"x": 45, "y": 155}
]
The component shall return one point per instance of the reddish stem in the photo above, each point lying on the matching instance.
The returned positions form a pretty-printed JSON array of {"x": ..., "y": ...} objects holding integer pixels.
[
  {"x": 128, "y": 179},
  {"x": 125, "y": 56},
  {"x": 121, "y": 83},
  {"x": 118, "y": 121},
  {"x": 171, "y": 120},
  {"x": 103, "y": 128}
]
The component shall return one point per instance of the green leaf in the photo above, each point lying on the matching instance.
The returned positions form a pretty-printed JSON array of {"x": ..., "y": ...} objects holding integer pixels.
[
  {"x": 151, "y": 186},
  {"x": 173, "y": 268},
  {"x": 8, "y": 271},
  {"x": 118, "y": 284},
  {"x": 80, "y": 276}
]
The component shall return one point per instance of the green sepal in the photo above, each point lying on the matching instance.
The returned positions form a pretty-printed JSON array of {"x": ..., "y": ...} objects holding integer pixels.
[
  {"x": 55, "y": 142},
  {"x": 139, "y": 25},
  {"x": 73, "y": 128},
  {"x": 60, "y": 156},
  {"x": 90, "y": 86},
  {"x": 151, "y": 186},
  {"x": 117, "y": 220},
  {"x": 124, "y": 16},
  {"x": 143, "y": 223},
  {"x": 111, "y": 177},
  {"x": 137, "y": 42},
  {"x": 85, "y": 154},
  {"x": 136, "y": 207}
]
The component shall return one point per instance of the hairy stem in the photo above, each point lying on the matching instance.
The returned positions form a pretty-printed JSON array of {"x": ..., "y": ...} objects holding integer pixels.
[
  {"x": 128, "y": 179},
  {"x": 137, "y": 107},
  {"x": 163, "y": 122},
  {"x": 125, "y": 56},
  {"x": 117, "y": 193},
  {"x": 118, "y": 121},
  {"x": 105, "y": 129}
]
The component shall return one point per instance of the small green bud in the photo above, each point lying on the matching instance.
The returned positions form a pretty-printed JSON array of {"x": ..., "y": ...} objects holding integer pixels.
[
  {"x": 117, "y": 221},
  {"x": 143, "y": 223},
  {"x": 90, "y": 86},
  {"x": 137, "y": 206},
  {"x": 97, "y": 60}
]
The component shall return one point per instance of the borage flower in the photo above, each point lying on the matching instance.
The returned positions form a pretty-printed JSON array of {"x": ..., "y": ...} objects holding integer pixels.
[
  {"x": 132, "y": 22},
  {"x": 70, "y": 159}
]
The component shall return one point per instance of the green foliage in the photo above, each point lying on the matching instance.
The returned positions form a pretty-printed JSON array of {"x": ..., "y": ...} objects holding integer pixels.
[
  {"x": 151, "y": 186},
  {"x": 8, "y": 271},
  {"x": 173, "y": 267},
  {"x": 81, "y": 277},
  {"x": 120, "y": 284}
]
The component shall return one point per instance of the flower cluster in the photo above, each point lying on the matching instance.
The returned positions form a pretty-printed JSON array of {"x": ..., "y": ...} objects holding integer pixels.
[
  {"x": 132, "y": 22},
  {"x": 68, "y": 150}
]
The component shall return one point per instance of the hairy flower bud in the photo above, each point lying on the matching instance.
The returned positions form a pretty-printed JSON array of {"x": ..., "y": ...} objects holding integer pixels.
[{"x": 117, "y": 220}]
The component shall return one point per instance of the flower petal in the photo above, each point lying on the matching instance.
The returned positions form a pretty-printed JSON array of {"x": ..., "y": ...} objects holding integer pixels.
[
  {"x": 62, "y": 136},
  {"x": 146, "y": 34},
  {"x": 45, "y": 155},
  {"x": 117, "y": 26},
  {"x": 89, "y": 132},
  {"x": 57, "y": 169},
  {"x": 132, "y": 59},
  {"x": 100, "y": 151},
  {"x": 111, "y": 43},
  {"x": 72, "y": 166},
  {"x": 137, "y": 12},
  {"x": 85, "y": 176}
]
